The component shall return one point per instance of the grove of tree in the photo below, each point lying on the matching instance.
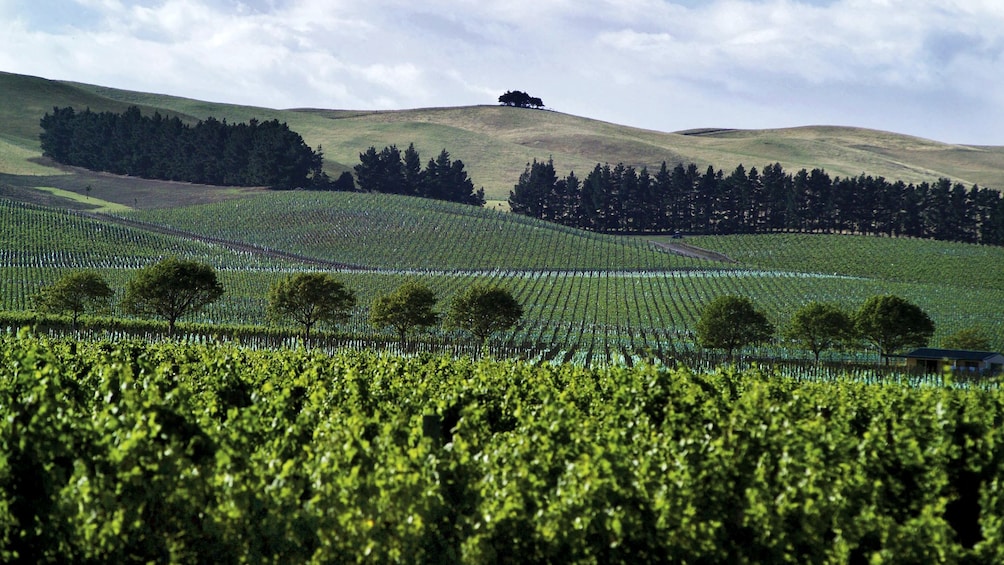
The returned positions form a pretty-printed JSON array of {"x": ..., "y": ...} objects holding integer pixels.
[
  {"x": 621, "y": 199},
  {"x": 157, "y": 147},
  {"x": 391, "y": 172}
]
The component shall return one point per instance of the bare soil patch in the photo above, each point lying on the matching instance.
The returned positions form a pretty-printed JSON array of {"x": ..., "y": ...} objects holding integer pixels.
[{"x": 692, "y": 251}]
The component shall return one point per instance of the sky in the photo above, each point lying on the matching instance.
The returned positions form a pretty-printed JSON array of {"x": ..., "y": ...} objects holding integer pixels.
[{"x": 929, "y": 68}]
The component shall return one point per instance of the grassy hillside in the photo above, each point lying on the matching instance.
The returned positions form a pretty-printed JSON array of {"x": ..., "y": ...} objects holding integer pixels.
[{"x": 495, "y": 143}]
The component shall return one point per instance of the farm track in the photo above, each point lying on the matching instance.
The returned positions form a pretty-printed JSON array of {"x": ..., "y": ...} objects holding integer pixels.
[{"x": 693, "y": 252}]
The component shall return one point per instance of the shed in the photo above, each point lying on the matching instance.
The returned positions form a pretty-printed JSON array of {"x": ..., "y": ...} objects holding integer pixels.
[{"x": 933, "y": 360}]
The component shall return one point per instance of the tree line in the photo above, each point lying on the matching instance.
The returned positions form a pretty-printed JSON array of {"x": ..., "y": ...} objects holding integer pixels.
[
  {"x": 888, "y": 323},
  {"x": 392, "y": 172},
  {"x": 682, "y": 199},
  {"x": 173, "y": 288},
  {"x": 212, "y": 152}
]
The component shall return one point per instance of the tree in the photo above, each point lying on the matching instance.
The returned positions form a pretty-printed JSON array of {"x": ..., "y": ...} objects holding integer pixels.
[
  {"x": 732, "y": 322},
  {"x": 308, "y": 298},
  {"x": 483, "y": 310},
  {"x": 818, "y": 326},
  {"x": 172, "y": 288},
  {"x": 410, "y": 306},
  {"x": 972, "y": 339},
  {"x": 75, "y": 293},
  {"x": 891, "y": 323}
]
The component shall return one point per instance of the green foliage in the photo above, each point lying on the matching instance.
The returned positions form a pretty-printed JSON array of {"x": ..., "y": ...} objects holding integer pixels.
[
  {"x": 76, "y": 292},
  {"x": 172, "y": 288},
  {"x": 309, "y": 298},
  {"x": 732, "y": 322},
  {"x": 129, "y": 451},
  {"x": 891, "y": 324},
  {"x": 483, "y": 310},
  {"x": 819, "y": 326},
  {"x": 972, "y": 339},
  {"x": 411, "y": 305}
]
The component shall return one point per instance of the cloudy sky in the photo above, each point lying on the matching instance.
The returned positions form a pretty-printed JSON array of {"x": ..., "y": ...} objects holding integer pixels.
[{"x": 931, "y": 68}]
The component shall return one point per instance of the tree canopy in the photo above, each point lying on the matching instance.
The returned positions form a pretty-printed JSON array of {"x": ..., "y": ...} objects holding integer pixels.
[
  {"x": 75, "y": 293},
  {"x": 410, "y": 306},
  {"x": 819, "y": 326},
  {"x": 390, "y": 171},
  {"x": 172, "y": 288},
  {"x": 892, "y": 323},
  {"x": 309, "y": 298},
  {"x": 213, "y": 152},
  {"x": 732, "y": 322},
  {"x": 681, "y": 198},
  {"x": 483, "y": 310},
  {"x": 520, "y": 99},
  {"x": 972, "y": 339}
]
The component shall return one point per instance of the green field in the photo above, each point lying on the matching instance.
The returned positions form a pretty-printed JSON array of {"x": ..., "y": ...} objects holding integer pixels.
[{"x": 588, "y": 297}]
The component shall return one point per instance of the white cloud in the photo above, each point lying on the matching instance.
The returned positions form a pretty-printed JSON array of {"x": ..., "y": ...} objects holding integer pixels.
[{"x": 916, "y": 66}]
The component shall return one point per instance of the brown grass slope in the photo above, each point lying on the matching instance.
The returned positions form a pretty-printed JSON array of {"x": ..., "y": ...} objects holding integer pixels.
[{"x": 496, "y": 143}]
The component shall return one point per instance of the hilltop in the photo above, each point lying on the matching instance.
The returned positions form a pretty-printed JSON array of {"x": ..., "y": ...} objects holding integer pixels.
[{"x": 495, "y": 142}]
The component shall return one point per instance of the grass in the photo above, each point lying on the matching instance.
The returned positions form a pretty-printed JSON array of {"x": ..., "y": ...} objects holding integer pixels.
[{"x": 495, "y": 143}]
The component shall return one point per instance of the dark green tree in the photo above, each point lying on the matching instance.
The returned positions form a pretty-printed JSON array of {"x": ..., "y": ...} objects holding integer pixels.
[
  {"x": 972, "y": 339},
  {"x": 75, "y": 293},
  {"x": 483, "y": 310},
  {"x": 410, "y": 306},
  {"x": 172, "y": 288},
  {"x": 819, "y": 326},
  {"x": 730, "y": 323},
  {"x": 309, "y": 298},
  {"x": 891, "y": 324}
]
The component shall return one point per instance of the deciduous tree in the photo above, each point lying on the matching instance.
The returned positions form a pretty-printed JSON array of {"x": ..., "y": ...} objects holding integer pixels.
[
  {"x": 732, "y": 322},
  {"x": 75, "y": 293},
  {"x": 891, "y": 323},
  {"x": 309, "y": 298},
  {"x": 172, "y": 288},
  {"x": 818, "y": 326},
  {"x": 410, "y": 306},
  {"x": 483, "y": 310}
]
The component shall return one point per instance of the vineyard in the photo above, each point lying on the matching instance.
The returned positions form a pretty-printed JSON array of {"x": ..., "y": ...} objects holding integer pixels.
[
  {"x": 588, "y": 298},
  {"x": 187, "y": 453}
]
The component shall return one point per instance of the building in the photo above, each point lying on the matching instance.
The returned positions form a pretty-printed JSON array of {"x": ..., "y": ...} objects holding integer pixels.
[{"x": 932, "y": 360}]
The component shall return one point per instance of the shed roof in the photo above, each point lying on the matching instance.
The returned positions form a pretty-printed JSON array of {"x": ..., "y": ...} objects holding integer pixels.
[{"x": 960, "y": 354}]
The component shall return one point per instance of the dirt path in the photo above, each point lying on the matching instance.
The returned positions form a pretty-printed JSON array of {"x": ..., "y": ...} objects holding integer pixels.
[{"x": 686, "y": 250}]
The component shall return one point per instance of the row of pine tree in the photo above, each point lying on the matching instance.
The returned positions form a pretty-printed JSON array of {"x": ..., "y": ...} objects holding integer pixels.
[{"x": 621, "y": 199}]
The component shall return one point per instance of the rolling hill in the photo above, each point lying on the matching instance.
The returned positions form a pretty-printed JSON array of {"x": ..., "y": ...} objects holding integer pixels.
[{"x": 495, "y": 143}]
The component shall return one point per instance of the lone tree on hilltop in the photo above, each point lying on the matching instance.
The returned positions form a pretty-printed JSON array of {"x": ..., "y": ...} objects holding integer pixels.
[
  {"x": 75, "y": 293},
  {"x": 730, "y": 323},
  {"x": 309, "y": 298},
  {"x": 818, "y": 326},
  {"x": 171, "y": 289},
  {"x": 410, "y": 306},
  {"x": 520, "y": 99},
  {"x": 891, "y": 323},
  {"x": 483, "y": 310}
]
